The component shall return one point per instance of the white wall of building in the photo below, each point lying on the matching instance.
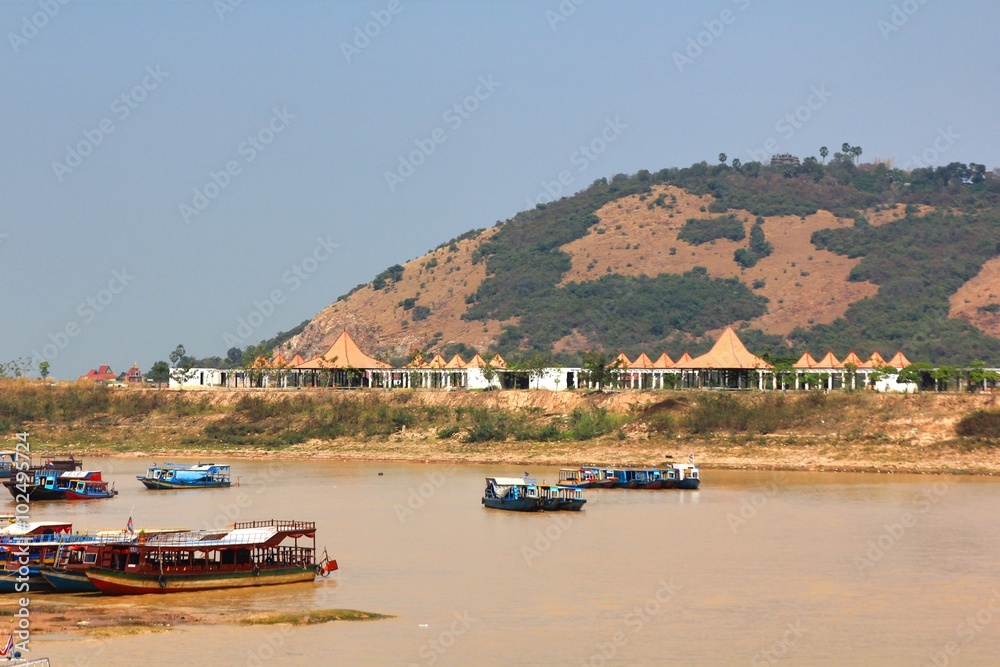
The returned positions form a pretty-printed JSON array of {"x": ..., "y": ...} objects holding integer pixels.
[
  {"x": 891, "y": 384},
  {"x": 199, "y": 377}
]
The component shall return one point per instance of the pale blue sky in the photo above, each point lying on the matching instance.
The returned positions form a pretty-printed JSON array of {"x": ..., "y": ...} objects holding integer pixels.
[{"x": 199, "y": 82}]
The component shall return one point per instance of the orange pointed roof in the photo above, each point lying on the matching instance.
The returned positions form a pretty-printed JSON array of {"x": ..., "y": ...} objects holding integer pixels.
[
  {"x": 311, "y": 364},
  {"x": 279, "y": 361},
  {"x": 296, "y": 361},
  {"x": 642, "y": 361},
  {"x": 260, "y": 362},
  {"x": 476, "y": 362},
  {"x": 663, "y": 362},
  {"x": 875, "y": 361},
  {"x": 728, "y": 352},
  {"x": 622, "y": 360},
  {"x": 806, "y": 361},
  {"x": 684, "y": 357},
  {"x": 456, "y": 362},
  {"x": 498, "y": 361},
  {"x": 898, "y": 360},
  {"x": 345, "y": 353},
  {"x": 828, "y": 361},
  {"x": 854, "y": 359},
  {"x": 437, "y": 362}
]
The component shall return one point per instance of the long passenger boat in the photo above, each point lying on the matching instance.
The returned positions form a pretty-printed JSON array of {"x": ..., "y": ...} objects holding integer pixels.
[
  {"x": 253, "y": 553},
  {"x": 201, "y": 476},
  {"x": 681, "y": 476},
  {"x": 638, "y": 478},
  {"x": 56, "y": 484},
  {"x": 556, "y": 497},
  {"x": 586, "y": 478},
  {"x": 516, "y": 494},
  {"x": 29, "y": 545}
]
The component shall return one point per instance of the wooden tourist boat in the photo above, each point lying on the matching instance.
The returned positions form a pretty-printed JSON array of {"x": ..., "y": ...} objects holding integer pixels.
[
  {"x": 638, "y": 478},
  {"x": 201, "y": 476},
  {"x": 67, "y": 573},
  {"x": 554, "y": 497},
  {"x": 517, "y": 494},
  {"x": 56, "y": 484},
  {"x": 586, "y": 478},
  {"x": 30, "y": 545},
  {"x": 253, "y": 553}
]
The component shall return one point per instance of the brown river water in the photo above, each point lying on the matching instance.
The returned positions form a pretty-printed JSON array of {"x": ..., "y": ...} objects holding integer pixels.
[{"x": 755, "y": 568}]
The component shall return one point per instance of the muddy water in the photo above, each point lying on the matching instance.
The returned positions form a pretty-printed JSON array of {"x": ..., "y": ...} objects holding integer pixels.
[{"x": 755, "y": 568}]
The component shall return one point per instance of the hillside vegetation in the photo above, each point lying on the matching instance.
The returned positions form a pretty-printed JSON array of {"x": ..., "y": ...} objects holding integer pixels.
[{"x": 811, "y": 256}]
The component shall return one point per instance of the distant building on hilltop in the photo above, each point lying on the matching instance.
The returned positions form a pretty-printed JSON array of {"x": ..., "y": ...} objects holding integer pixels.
[
  {"x": 784, "y": 160},
  {"x": 102, "y": 374}
]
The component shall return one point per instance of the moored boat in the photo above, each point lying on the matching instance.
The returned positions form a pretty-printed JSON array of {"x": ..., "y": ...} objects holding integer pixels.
[
  {"x": 554, "y": 497},
  {"x": 249, "y": 554},
  {"x": 200, "y": 476},
  {"x": 637, "y": 478},
  {"x": 586, "y": 478},
  {"x": 26, "y": 547},
  {"x": 516, "y": 494},
  {"x": 58, "y": 484},
  {"x": 681, "y": 476},
  {"x": 7, "y": 462}
]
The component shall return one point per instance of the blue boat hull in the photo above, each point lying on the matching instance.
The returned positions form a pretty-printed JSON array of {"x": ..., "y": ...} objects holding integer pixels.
[
  {"x": 68, "y": 581},
  {"x": 518, "y": 505},
  {"x": 687, "y": 484},
  {"x": 157, "y": 484},
  {"x": 9, "y": 582}
]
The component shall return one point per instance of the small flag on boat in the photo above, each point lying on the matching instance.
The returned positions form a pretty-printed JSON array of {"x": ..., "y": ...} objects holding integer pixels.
[
  {"x": 690, "y": 458},
  {"x": 8, "y": 650},
  {"x": 129, "y": 528}
]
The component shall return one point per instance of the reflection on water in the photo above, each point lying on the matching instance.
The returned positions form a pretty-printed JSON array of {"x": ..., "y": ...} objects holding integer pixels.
[{"x": 755, "y": 568}]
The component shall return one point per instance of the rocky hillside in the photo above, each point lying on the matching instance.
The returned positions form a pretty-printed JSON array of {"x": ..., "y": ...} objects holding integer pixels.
[{"x": 797, "y": 257}]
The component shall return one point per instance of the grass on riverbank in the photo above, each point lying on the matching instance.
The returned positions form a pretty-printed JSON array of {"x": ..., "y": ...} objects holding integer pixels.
[{"x": 313, "y": 617}]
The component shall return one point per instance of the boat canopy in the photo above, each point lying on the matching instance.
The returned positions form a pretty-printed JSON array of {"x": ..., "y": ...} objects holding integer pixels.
[{"x": 511, "y": 481}]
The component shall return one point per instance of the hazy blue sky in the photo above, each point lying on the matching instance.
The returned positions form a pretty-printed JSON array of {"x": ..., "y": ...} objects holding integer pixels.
[{"x": 170, "y": 167}]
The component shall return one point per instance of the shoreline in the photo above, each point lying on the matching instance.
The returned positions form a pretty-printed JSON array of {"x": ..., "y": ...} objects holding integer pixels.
[{"x": 866, "y": 458}]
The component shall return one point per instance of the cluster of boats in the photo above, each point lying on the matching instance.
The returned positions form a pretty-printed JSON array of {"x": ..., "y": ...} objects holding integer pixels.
[
  {"x": 50, "y": 556},
  {"x": 65, "y": 479},
  {"x": 524, "y": 494}
]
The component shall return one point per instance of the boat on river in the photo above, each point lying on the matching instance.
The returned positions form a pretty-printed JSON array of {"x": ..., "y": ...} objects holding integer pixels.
[
  {"x": 681, "y": 476},
  {"x": 8, "y": 461},
  {"x": 56, "y": 484},
  {"x": 248, "y": 554},
  {"x": 29, "y": 545},
  {"x": 586, "y": 478},
  {"x": 517, "y": 494},
  {"x": 637, "y": 478},
  {"x": 553, "y": 497},
  {"x": 200, "y": 476},
  {"x": 68, "y": 571}
]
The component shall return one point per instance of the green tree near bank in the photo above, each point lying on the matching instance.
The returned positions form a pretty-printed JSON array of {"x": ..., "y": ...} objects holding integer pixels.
[
  {"x": 159, "y": 373},
  {"x": 182, "y": 370},
  {"x": 599, "y": 369}
]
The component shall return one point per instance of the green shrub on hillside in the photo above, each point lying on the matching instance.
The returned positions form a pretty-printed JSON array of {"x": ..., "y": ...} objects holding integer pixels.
[{"x": 697, "y": 232}]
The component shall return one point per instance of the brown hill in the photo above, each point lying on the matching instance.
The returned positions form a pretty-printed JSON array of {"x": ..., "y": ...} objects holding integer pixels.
[{"x": 805, "y": 286}]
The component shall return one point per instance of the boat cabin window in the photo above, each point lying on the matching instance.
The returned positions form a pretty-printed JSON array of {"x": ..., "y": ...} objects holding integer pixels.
[{"x": 90, "y": 558}]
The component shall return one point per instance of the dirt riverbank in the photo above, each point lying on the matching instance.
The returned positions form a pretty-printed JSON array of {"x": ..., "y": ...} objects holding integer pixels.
[{"x": 798, "y": 431}]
